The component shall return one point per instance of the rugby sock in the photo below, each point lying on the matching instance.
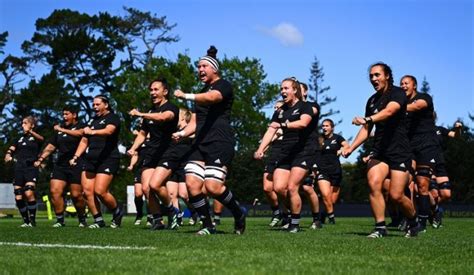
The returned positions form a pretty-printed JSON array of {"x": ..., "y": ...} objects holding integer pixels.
[
  {"x": 157, "y": 218},
  {"x": 276, "y": 211},
  {"x": 201, "y": 205},
  {"x": 60, "y": 217},
  {"x": 139, "y": 206},
  {"x": 116, "y": 211},
  {"x": 81, "y": 217},
  {"x": 32, "y": 210},
  {"x": 217, "y": 215},
  {"x": 331, "y": 215},
  {"x": 295, "y": 219},
  {"x": 23, "y": 210},
  {"x": 229, "y": 201},
  {"x": 98, "y": 218},
  {"x": 315, "y": 216},
  {"x": 380, "y": 226},
  {"x": 423, "y": 209}
]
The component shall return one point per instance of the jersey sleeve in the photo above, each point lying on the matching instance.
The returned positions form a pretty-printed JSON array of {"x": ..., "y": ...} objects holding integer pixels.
[
  {"x": 399, "y": 97},
  {"x": 340, "y": 140},
  {"x": 54, "y": 139},
  {"x": 307, "y": 109},
  {"x": 224, "y": 88},
  {"x": 275, "y": 116}
]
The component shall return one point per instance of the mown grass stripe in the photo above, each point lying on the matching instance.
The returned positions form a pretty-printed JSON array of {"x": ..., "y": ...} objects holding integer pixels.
[{"x": 59, "y": 245}]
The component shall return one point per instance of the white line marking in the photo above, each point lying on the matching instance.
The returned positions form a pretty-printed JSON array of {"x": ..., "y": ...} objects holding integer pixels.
[{"x": 58, "y": 245}]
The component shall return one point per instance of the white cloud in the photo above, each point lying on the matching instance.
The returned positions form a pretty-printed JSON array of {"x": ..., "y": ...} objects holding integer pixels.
[{"x": 286, "y": 33}]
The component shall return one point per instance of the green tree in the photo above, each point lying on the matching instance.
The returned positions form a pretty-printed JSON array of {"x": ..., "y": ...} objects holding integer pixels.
[
  {"x": 320, "y": 91},
  {"x": 425, "y": 86}
]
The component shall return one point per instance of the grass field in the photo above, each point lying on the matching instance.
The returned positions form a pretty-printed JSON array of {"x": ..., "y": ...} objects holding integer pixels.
[{"x": 340, "y": 248}]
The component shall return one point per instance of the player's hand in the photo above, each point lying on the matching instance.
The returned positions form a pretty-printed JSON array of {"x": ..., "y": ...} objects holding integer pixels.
[
  {"x": 275, "y": 125},
  {"x": 458, "y": 125},
  {"x": 37, "y": 164},
  {"x": 131, "y": 152},
  {"x": 346, "y": 152},
  {"x": 88, "y": 131},
  {"x": 134, "y": 112},
  {"x": 359, "y": 121},
  {"x": 8, "y": 158},
  {"x": 258, "y": 155},
  {"x": 129, "y": 168},
  {"x": 73, "y": 162},
  {"x": 179, "y": 94},
  {"x": 57, "y": 128}
]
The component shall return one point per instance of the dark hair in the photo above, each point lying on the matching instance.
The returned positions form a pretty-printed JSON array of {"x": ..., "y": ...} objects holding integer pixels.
[
  {"x": 163, "y": 82},
  {"x": 30, "y": 119},
  {"x": 330, "y": 122},
  {"x": 296, "y": 85},
  {"x": 71, "y": 108},
  {"x": 212, "y": 52},
  {"x": 187, "y": 114},
  {"x": 386, "y": 69},
  {"x": 305, "y": 87},
  {"x": 104, "y": 99},
  {"x": 412, "y": 78}
]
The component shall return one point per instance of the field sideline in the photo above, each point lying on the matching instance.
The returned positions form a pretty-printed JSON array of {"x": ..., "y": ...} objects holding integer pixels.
[{"x": 342, "y": 248}]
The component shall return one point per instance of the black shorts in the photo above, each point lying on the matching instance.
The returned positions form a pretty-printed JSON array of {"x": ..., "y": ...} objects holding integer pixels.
[
  {"x": 433, "y": 185},
  {"x": 335, "y": 178},
  {"x": 424, "y": 153},
  {"x": 178, "y": 175},
  {"x": 108, "y": 166},
  {"x": 71, "y": 174},
  {"x": 397, "y": 163},
  {"x": 440, "y": 167},
  {"x": 137, "y": 175},
  {"x": 304, "y": 159},
  {"x": 25, "y": 175},
  {"x": 308, "y": 181},
  {"x": 217, "y": 154},
  {"x": 161, "y": 157}
]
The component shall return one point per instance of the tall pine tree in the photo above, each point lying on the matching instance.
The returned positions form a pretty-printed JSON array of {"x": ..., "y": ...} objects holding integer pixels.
[{"x": 318, "y": 92}]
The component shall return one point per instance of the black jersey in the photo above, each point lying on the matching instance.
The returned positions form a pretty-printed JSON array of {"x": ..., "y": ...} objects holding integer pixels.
[
  {"x": 65, "y": 144},
  {"x": 293, "y": 139},
  {"x": 442, "y": 135},
  {"x": 102, "y": 147},
  {"x": 181, "y": 148},
  {"x": 27, "y": 149},
  {"x": 422, "y": 121},
  {"x": 329, "y": 149},
  {"x": 390, "y": 136},
  {"x": 311, "y": 131},
  {"x": 161, "y": 131},
  {"x": 213, "y": 121}
]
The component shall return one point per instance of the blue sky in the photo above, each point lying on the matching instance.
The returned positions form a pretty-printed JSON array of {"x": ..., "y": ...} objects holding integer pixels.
[{"x": 422, "y": 38}]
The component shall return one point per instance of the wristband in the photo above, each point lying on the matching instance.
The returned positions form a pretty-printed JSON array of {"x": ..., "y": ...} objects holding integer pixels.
[
  {"x": 75, "y": 157},
  {"x": 40, "y": 159},
  {"x": 368, "y": 119},
  {"x": 283, "y": 125},
  {"x": 191, "y": 97},
  {"x": 181, "y": 133}
]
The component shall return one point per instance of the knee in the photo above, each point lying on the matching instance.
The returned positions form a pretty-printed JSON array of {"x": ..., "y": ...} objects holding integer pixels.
[
  {"x": 100, "y": 192},
  {"x": 293, "y": 188}
]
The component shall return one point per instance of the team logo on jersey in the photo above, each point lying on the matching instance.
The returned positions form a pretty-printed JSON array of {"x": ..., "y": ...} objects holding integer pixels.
[
  {"x": 218, "y": 161},
  {"x": 333, "y": 141},
  {"x": 303, "y": 163},
  {"x": 102, "y": 121},
  {"x": 107, "y": 170},
  {"x": 296, "y": 112},
  {"x": 403, "y": 165},
  {"x": 165, "y": 164},
  {"x": 433, "y": 161},
  {"x": 438, "y": 133}
]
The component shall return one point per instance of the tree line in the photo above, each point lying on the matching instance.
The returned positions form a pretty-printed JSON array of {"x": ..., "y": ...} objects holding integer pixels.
[{"x": 83, "y": 55}]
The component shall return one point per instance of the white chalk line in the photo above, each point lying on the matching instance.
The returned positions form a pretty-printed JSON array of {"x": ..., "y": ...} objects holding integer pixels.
[{"x": 58, "y": 245}]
